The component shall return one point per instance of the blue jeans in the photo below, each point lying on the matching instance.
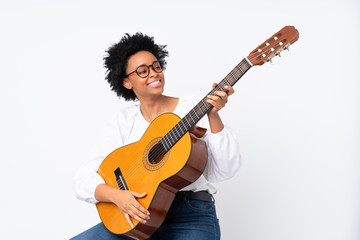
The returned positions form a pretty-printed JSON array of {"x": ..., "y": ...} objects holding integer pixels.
[{"x": 187, "y": 219}]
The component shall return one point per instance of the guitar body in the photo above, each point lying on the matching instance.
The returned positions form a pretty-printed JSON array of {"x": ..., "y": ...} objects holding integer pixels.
[{"x": 160, "y": 178}]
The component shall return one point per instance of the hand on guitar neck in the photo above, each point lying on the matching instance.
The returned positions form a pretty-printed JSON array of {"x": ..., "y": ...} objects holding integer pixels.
[
  {"x": 218, "y": 101},
  {"x": 126, "y": 202}
]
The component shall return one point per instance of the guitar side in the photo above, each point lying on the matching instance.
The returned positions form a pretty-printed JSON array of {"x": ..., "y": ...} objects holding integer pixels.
[{"x": 179, "y": 167}]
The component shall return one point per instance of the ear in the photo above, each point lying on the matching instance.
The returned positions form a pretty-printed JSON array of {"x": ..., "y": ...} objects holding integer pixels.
[{"x": 127, "y": 84}]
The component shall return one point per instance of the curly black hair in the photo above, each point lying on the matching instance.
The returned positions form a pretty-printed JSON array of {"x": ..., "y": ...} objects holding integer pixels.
[{"x": 118, "y": 55}]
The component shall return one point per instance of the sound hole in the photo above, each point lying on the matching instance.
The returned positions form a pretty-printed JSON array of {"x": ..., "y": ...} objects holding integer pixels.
[{"x": 156, "y": 153}]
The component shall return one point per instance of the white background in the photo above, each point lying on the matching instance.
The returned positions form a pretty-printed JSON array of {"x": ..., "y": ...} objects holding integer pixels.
[{"x": 297, "y": 120}]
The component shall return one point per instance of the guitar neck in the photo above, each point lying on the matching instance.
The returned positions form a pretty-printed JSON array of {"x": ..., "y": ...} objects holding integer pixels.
[{"x": 195, "y": 114}]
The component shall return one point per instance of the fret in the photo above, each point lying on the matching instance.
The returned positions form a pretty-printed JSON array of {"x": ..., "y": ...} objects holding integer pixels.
[
  {"x": 190, "y": 115},
  {"x": 176, "y": 133},
  {"x": 246, "y": 66},
  {"x": 235, "y": 78},
  {"x": 177, "y": 126},
  {"x": 168, "y": 140},
  {"x": 221, "y": 88},
  {"x": 164, "y": 143},
  {"x": 229, "y": 80},
  {"x": 227, "y": 83},
  {"x": 173, "y": 132},
  {"x": 186, "y": 123},
  {"x": 239, "y": 68},
  {"x": 204, "y": 106},
  {"x": 183, "y": 128},
  {"x": 171, "y": 137},
  {"x": 199, "y": 111},
  {"x": 197, "y": 116}
]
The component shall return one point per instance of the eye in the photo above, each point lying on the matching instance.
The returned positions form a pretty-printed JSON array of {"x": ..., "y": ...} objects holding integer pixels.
[
  {"x": 156, "y": 66},
  {"x": 142, "y": 70}
]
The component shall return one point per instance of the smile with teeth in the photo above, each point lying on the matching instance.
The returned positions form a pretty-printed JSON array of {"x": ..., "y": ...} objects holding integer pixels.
[{"x": 155, "y": 84}]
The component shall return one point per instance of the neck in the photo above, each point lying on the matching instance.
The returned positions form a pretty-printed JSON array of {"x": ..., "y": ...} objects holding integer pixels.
[{"x": 152, "y": 108}]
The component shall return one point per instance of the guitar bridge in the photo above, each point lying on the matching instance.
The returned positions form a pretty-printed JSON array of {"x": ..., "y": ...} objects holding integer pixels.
[{"x": 120, "y": 179}]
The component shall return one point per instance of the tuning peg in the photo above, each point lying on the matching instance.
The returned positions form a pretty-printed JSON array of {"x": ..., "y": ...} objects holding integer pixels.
[
  {"x": 287, "y": 47},
  {"x": 289, "y": 51}
]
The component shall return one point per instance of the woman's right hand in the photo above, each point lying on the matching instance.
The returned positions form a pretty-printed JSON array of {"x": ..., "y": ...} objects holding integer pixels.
[
  {"x": 130, "y": 207},
  {"x": 126, "y": 202}
]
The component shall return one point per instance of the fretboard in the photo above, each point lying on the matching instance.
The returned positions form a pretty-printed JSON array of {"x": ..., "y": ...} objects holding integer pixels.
[{"x": 195, "y": 114}]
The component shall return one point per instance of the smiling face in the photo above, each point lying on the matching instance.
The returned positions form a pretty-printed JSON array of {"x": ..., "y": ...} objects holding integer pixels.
[{"x": 150, "y": 86}]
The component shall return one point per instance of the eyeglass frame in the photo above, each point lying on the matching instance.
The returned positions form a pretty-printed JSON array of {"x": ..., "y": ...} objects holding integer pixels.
[{"x": 148, "y": 67}]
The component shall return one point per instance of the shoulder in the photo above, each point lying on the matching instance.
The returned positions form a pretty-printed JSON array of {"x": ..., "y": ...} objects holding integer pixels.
[{"x": 126, "y": 113}]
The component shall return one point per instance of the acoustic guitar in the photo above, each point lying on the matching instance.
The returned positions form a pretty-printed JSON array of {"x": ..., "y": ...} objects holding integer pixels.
[{"x": 167, "y": 157}]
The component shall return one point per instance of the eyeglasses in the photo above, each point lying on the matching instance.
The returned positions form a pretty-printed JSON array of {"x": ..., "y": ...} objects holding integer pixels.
[{"x": 143, "y": 71}]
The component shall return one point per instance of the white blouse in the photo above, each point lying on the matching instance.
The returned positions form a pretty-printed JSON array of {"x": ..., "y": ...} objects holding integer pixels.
[{"x": 129, "y": 125}]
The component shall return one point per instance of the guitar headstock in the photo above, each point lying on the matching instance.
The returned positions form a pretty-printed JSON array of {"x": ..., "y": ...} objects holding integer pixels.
[{"x": 274, "y": 45}]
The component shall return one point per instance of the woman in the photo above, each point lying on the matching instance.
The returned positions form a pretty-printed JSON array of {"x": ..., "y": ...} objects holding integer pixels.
[{"x": 135, "y": 72}]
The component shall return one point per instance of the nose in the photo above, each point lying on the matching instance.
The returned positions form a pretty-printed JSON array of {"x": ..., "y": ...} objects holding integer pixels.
[{"x": 152, "y": 72}]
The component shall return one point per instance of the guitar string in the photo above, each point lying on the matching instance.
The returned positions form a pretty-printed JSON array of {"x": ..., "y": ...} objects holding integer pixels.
[{"x": 132, "y": 172}]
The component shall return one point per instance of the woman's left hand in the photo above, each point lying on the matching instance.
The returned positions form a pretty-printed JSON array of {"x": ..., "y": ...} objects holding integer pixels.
[{"x": 219, "y": 99}]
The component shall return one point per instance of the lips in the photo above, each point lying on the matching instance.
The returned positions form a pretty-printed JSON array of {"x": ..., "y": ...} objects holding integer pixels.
[{"x": 156, "y": 83}]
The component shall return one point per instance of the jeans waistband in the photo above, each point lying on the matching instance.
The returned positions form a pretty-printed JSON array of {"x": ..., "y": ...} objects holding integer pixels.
[{"x": 201, "y": 195}]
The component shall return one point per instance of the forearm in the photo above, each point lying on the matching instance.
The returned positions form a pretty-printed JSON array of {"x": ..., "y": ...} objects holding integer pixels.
[
  {"x": 105, "y": 193},
  {"x": 215, "y": 122}
]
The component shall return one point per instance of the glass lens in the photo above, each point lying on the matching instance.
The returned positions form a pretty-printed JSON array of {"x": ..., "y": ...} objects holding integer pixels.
[
  {"x": 157, "y": 67},
  {"x": 142, "y": 71}
]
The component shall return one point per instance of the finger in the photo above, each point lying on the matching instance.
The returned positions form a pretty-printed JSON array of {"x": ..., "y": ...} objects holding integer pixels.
[
  {"x": 136, "y": 214},
  {"x": 230, "y": 90},
  {"x": 222, "y": 95},
  {"x": 216, "y": 101},
  {"x": 138, "y": 195},
  {"x": 213, "y": 97},
  {"x": 137, "y": 205},
  {"x": 214, "y": 85},
  {"x": 128, "y": 219},
  {"x": 219, "y": 100},
  {"x": 140, "y": 211},
  {"x": 216, "y": 105}
]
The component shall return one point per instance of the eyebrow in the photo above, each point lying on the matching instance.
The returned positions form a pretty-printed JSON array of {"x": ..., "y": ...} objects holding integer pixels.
[{"x": 149, "y": 64}]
